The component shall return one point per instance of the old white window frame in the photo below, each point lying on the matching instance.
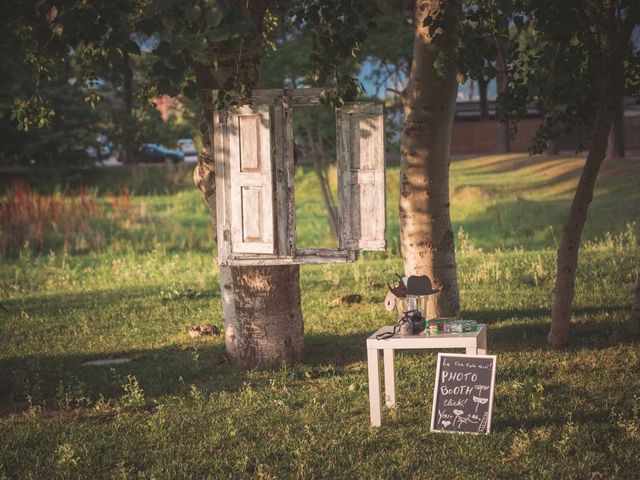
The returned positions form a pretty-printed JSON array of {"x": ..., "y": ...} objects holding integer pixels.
[{"x": 361, "y": 188}]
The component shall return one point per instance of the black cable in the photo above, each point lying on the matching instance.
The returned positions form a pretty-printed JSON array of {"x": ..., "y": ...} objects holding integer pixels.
[{"x": 385, "y": 335}]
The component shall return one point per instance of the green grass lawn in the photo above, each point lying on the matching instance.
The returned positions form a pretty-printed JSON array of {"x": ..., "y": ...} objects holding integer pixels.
[{"x": 177, "y": 410}]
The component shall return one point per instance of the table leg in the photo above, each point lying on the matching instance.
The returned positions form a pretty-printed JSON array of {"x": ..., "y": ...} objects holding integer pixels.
[
  {"x": 482, "y": 342},
  {"x": 389, "y": 378},
  {"x": 374, "y": 387}
]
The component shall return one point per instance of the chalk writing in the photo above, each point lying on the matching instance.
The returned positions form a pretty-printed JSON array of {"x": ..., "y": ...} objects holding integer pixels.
[{"x": 463, "y": 393}]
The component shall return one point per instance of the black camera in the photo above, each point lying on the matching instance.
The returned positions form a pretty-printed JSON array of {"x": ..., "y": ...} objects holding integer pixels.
[{"x": 415, "y": 318}]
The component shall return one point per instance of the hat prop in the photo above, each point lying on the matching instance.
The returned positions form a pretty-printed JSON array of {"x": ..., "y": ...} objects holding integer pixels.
[
  {"x": 419, "y": 287},
  {"x": 406, "y": 293}
]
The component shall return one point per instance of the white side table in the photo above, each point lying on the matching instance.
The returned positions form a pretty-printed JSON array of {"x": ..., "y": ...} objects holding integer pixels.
[{"x": 472, "y": 342}]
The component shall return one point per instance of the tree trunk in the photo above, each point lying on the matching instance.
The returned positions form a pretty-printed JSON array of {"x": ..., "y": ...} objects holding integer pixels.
[
  {"x": 263, "y": 319},
  {"x": 553, "y": 147},
  {"x": 483, "y": 83},
  {"x": 260, "y": 305},
  {"x": 567, "y": 259},
  {"x": 425, "y": 225},
  {"x": 634, "y": 317},
  {"x": 319, "y": 165},
  {"x": 502, "y": 82},
  {"x": 615, "y": 148}
]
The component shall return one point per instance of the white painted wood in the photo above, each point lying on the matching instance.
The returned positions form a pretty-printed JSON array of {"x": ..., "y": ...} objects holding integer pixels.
[
  {"x": 435, "y": 395},
  {"x": 278, "y": 127},
  {"x": 304, "y": 96},
  {"x": 343, "y": 150},
  {"x": 220, "y": 139},
  {"x": 482, "y": 342},
  {"x": 470, "y": 341},
  {"x": 361, "y": 159},
  {"x": 255, "y": 194},
  {"x": 289, "y": 161},
  {"x": 221, "y": 164},
  {"x": 251, "y": 177},
  {"x": 492, "y": 390},
  {"x": 295, "y": 97},
  {"x": 389, "y": 378},
  {"x": 375, "y": 408},
  {"x": 303, "y": 256},
  {"x": 422, "y": 340}
]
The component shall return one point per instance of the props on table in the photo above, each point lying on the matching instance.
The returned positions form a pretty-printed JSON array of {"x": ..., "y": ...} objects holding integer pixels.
[
  {"x": 418, "y": 285},
  {"x": 418, "y": 289},
  {"x": 397, "y": 292},
  {"x": 400, "y": 289},
  {"x": 407, "y": 293}
]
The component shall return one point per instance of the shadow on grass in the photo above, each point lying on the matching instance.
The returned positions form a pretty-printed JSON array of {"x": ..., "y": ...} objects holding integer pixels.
[
  {"x": 532, "y": 333},
  {"x": 68, "y": 302},
  {"x": 172, "y": 369},
  {"x": 49, "y": 379},
  {"x": 516, "y": 223},
  {"x": 534, "y": 420},
  {"x": 525, "y": 222}
]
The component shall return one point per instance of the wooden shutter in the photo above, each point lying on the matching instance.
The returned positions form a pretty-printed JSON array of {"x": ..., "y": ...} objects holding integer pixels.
[
  {"x": 251, "y": 179},
  {"x": 360, "y": 149}
]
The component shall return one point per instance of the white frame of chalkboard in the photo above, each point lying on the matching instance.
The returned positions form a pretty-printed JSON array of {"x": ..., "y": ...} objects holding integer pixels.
[{"x": 491, "y": 391}]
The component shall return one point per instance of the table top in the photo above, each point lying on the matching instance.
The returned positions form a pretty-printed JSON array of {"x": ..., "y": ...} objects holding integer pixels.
[{"x": 424, "y": 340}]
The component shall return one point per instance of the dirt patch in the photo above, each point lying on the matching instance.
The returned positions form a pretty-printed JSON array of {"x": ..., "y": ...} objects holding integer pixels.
[
  {"x": 347, "y": 299},
  {"x": 196, "y": 331}
]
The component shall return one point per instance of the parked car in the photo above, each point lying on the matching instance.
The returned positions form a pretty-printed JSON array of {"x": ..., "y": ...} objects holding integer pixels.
[
  {"x": 152, "y": 153},
  {"x": 188, "y": 147}
]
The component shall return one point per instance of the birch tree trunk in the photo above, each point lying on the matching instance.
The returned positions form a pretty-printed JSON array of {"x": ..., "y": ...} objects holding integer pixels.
[
  {"x": 260, "y": 305},
  {"x": 615, "y": 148},
  {"x": 567, "y": 258},
  {"x": 426, "y": 234},
  {"x": 320, "y": 166},
  {"x": 553, "y": 147}
]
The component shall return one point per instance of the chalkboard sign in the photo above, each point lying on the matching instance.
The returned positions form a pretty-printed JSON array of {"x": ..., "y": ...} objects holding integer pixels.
[{"x": 463, "y": 394}]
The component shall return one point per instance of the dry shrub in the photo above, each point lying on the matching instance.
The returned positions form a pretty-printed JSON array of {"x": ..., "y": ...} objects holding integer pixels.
[
  {"x": 76, "y": 222},
  {"x": 121, "y": 205}
]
